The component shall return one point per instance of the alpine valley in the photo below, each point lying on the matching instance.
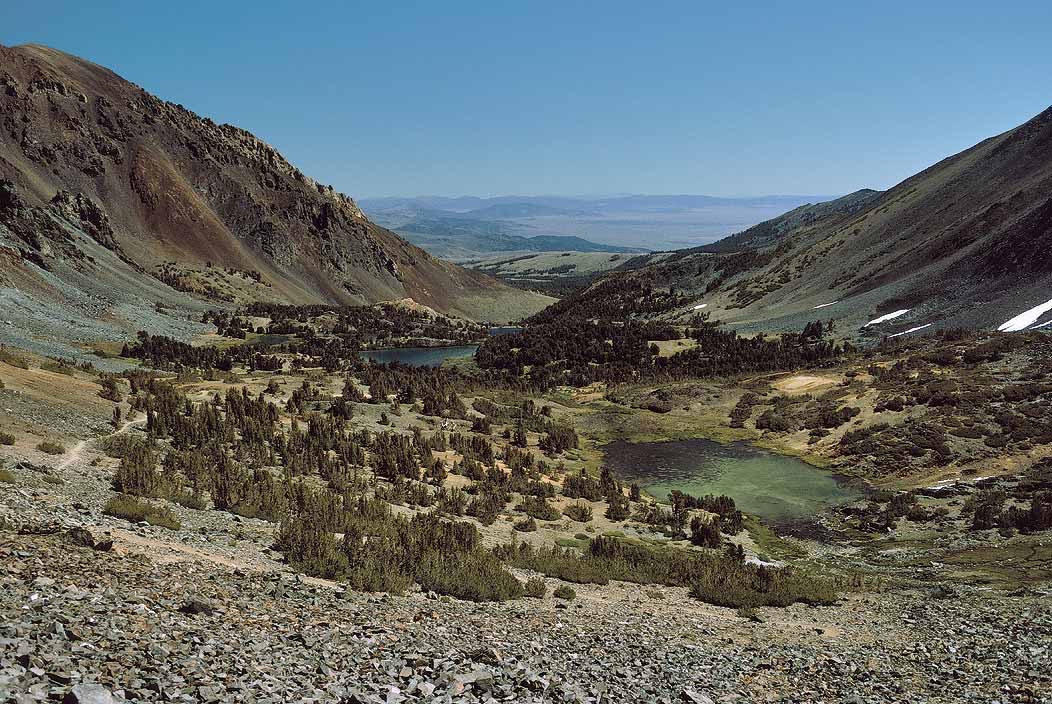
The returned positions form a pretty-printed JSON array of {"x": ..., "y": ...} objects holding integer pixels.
[{"x": 255, "y": 447}]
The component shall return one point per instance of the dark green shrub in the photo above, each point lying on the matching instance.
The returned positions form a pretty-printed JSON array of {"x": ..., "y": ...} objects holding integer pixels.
[
  {"x": 705, "y": 533},
  {"x": 51, "y": 448},
  {"x": 563, "y": 563},
  {"x": 618, "y": 507},
  {"x": 539, "y": 508},
  {"x": 58, "y": 367},
  {"x": 453, "y": 501},
  {"x": 564, "y": 592},
  {"x": 774, "y": 421},
  {"x": 752, "y": 586},
  {"x": 526, "y": 525},
  {"x": 382, "y": 552},
  {"x": 986, "y": 508},
  {"x": 138, "y": 475},
  {"x": 487, "y": 505},
  {"x": 582, "y": 486},
  {"x": 579, "y": 512},
  {"x": 721, "y": 578},
  {"x": 191, "y": 501},
  {"x": 134, "y": 509},
  {"x": 973, "y": 432},
  {"x": 536, "y": 588},
  {"x": 117, "y": 446},
  {"x": 475, "y": 576}
]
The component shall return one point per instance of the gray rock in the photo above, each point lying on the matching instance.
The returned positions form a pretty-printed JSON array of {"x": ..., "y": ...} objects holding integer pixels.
[{"x": 89, "y": 694}]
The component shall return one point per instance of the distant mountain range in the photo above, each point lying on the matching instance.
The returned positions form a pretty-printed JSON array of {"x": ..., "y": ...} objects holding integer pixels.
[
  {"x": 466, "y": 227},
  {"x": 585, "y": 204},
  {"x": 457, "y": 237}
]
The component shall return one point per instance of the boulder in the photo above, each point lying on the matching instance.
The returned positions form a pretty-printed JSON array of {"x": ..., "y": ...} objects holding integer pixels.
[{"x": 89, "y": 693}]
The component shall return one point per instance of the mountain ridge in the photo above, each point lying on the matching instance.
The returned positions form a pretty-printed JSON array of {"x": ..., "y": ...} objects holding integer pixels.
[
  {"x": 178, "y": 187},
  {"x": 953, "y": 245}
]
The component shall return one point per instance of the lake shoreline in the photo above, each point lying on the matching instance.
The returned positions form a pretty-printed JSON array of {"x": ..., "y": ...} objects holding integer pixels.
[{"x": 780, "y": 489}]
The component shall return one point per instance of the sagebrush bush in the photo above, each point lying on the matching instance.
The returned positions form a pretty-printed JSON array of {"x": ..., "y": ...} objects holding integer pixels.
[
  {"x": 564, "y": 592},
  {"x": 7, "y": 477},
  {"x": 134, "y": 509},
  {"x": 582, "y": 513},
  {"x": 51, "y": 448},
  {"x": 13, "y": 359},
  {"x": 539, "y": 508},
  {"x": 536, "y": 588},
  {"x": 526, "y": 525},
  {"x": 7, "y": 438},
  {"x": 382, "y": 552},
  {"x": 475, "y": 576},
  {"x": 752, "y": 586},
  {"x": 718, "y": 578}
]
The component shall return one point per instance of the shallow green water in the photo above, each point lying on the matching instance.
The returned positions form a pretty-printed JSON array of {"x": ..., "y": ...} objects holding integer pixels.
[{"x": 774, "y": 487}]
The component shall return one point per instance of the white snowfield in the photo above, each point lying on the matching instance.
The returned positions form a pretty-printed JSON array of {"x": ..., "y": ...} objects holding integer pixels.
[
  {"x": 1042, "y": 325},
  {"x": 886, "y": 317},
  {"x": 907, "y": 332},
  {"x": 700, "y": 306},
  {"x": 1027, "y": 318},
  {"x": 825, "y": 304}
]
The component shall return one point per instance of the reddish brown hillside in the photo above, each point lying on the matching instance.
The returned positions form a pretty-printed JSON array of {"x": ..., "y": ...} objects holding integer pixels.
[{"x": 180, "y": 188}]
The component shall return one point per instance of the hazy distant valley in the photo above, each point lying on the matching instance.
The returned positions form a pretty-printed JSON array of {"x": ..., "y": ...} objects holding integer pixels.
[{"x": 459, "y": 228}]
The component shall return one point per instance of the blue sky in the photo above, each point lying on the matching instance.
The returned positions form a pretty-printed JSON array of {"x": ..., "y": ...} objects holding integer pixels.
[{"x": 497, "y": 97}]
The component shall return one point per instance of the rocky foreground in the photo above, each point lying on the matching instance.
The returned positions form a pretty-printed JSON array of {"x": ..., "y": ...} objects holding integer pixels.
[{"x": 119, "y": 624}]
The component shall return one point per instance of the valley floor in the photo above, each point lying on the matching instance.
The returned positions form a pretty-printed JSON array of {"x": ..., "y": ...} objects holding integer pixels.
[{"x": 931, "y": 609}]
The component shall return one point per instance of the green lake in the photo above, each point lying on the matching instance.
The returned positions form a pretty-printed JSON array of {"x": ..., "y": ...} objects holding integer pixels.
[{"x": 775, "y": 487}]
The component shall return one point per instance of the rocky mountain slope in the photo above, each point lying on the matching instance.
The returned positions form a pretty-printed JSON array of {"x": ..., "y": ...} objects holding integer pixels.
[
  {"x": 770, "y": 232},
  {"x": 955, "y": 245},
  {"x": 208, "y": 209}
]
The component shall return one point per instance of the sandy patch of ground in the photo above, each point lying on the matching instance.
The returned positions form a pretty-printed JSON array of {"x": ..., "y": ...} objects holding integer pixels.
[
  {"x": 53, "y": 387},
  {"x": 804, "y": 383},
  {"x": 667, "y": 348}
]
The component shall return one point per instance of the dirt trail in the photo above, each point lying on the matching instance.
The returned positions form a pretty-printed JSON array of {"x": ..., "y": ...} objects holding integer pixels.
[
  {"x": 77, "y": 450},
  {"x": 170, "y": 551}
]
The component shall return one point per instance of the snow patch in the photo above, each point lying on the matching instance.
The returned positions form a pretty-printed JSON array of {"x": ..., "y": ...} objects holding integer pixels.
[
  {"x": 1026, "y": 318},
  {"x": 886, "y": 317},
  {"x": 825, "y": 304},
  {"x": 700, "y": 306},
  {"x": 1042, "y": 325},
  {"x": 907, "y": 332}
]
